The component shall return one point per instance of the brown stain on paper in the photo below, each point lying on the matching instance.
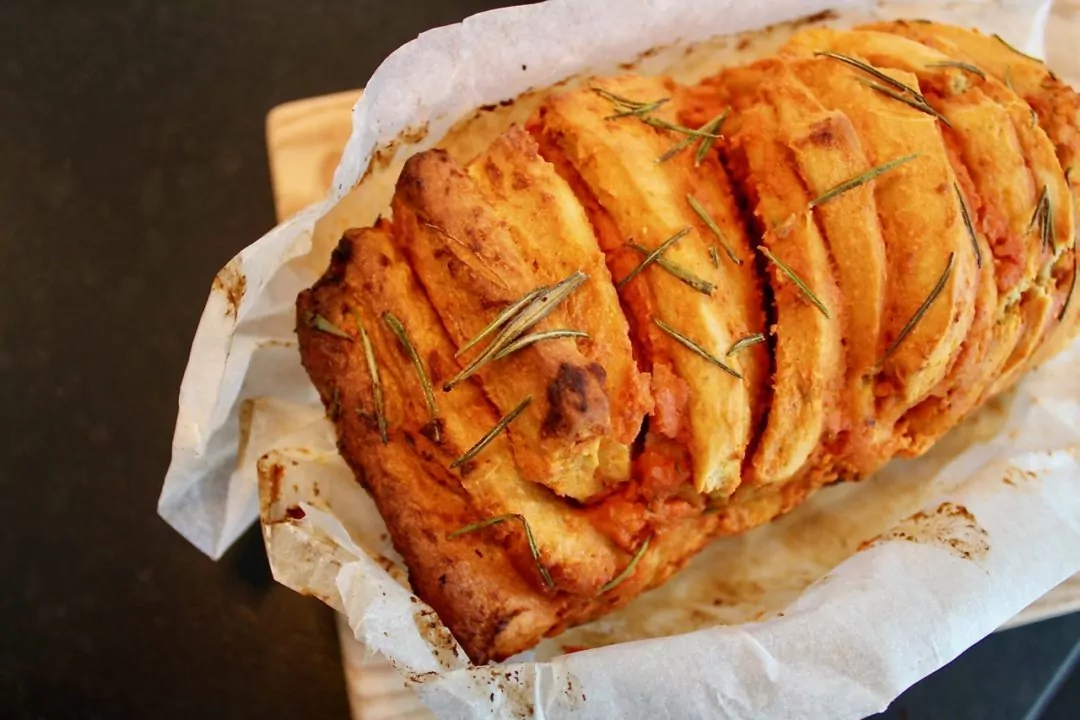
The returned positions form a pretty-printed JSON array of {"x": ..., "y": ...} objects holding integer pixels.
[
  {"x": 437, "y": 636},
  {"x": 231, "y": 283},
  {"x": 949, "y": 526}
]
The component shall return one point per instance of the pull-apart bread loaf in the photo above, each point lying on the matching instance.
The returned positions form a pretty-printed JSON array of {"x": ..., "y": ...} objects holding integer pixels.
[{"x": 657, "y": 314}]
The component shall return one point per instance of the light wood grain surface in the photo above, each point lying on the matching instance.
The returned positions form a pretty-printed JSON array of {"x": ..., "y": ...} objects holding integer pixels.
[{"x": 304, "y": 141}]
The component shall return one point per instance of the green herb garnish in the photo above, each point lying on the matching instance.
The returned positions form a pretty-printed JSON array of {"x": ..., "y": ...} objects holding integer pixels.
[
  {"x": 321, "y": 324},
  {"x": 1015, "y": 50},
  {"x": 492, "y": 433},
  {"x": 702, "y": 286},
  {"x": 910, "y": 325},
  {"x": 970, "y": 227},
  {"x": 376, "y": 384},
  {"x": 534, "y": 550},
  {"x": 651, "y": 257},
  {"x": 531, "y": 338},
  {"x": 912, "y": 102},
  {"x": 798, "y": 281},
  {"x": 628, "y": 570},
  {"x": 859, "y": 180},
  {"x": 398, "y": 329},
  {"x": 743, "y": 343},
  {"x": 502, "y": 318},
  {"x": 871, "y": 70},
  {"x": 695, "y": 348},
  {"x": 712, "y": 126},
  {"x": 539, "y": 306},
  {"x": 966, "y": 67},
  {"x": 706, "y": 218}
]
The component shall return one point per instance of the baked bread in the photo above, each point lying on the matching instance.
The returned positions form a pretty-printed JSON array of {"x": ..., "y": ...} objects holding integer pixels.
[{"x": 657, "y": 314}]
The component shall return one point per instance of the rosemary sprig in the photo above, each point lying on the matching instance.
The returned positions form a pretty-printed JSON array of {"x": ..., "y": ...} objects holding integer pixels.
[
  {"x": 910, "y": 325},
  {"x": 323, "y": 325},
  {"x": 871, "y": 70},
  {"x": 706, "y": 218},
  {"x": 492, "y": 433},
  {"x": 803, "y": 287},
  {"x": 695, "y": 348},
  {"x": 531, "y": 338},
  {"x": 398, "y": 329},
  {"x": 915, "y": 103},
  {"x": 628, "y": 570},
  {"x": 534, "y": 550},
  {"x": 1004, "y": 42},
  {"x": 745, "y": 342},
  {"x": 677, "y": 148},
  {"x": 617, "y": 99},
  {"x": 502, "y": 318},
  {"x": 967, "y": 223},
  {"x": 638, "y": 110},
  {"x": 652, "y": 256},
  {"x": 1043, "y": 216},
  {"x": 673, "y": 127},
  {"x": 702, "y": 286},
  {"x": 712, "y": 126},
  {"x": 539, "y": 307},
  {"x": 376, "y": 384},
  {"x": 714, "y": 255},
  {"x": 966, "y": 67},
  {"x": 860, "y": 180}
]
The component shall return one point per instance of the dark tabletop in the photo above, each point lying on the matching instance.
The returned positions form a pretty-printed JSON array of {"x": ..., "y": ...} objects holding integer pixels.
[{"x": 132, "y": 167}]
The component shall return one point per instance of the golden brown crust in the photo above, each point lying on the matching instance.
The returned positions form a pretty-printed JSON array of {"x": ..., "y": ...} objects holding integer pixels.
[{"x": 636, "y": 449}]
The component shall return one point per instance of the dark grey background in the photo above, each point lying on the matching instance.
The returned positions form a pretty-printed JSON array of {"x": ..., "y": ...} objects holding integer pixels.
[{"x": 132, "y": 167}]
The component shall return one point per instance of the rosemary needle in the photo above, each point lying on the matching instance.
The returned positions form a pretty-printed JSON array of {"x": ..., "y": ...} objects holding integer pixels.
[
  {"x": 376, "y": 384},
  {"x": 617, "y": 99},
  {"x": 712, "y": 126},
  {"x": 533, "y": 549},
  {"x": 714, "y": 256},
  {"x": 967, "y": 223},
  {"x": 743, "y": 343},
  {"x": 531, "y": 338},
  {"x": 503, "y": 317},
  {"x": 695, "y": 348},
  {"x": 398, "y": 329},
  {"x": 966, "y": 67},
  {"x": 652, "y": 256},
  {"x": 871, "y": 70},
  {"x": 665, "y": 125},
  {"x": 539, "y": 307},
  {"x": 640, "y": 110},
  {"x": 706, "y": 218},
  {"x": 915, "y": 103},
  {"x": 910, "y": 325},
  {"x": 702, "y": 286},
  {"x": 860, "y": 180},
  {"x": 803, "y": 287},
  {"x": 1004, "y": 42},
  {"x": 491, "y": 434},
  {"x": 322, "y": 324},
  {"x": 628, "y": 570}
]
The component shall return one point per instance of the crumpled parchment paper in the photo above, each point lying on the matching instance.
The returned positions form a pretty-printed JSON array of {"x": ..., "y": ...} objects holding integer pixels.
[{"x": 830, "y": 612}]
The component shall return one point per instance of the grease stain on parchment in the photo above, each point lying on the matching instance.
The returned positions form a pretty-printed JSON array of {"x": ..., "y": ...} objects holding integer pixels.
[
  {"x": 948, "y": 526},
  {"x": 442, "y": 643},
  {"x": 231, "y": 282}
]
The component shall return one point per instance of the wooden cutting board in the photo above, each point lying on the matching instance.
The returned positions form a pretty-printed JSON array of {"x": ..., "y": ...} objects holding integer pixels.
[{"x": 304, "y": 141}]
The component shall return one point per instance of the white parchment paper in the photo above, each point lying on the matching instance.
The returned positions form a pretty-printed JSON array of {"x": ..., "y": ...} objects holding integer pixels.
[{"x": 829, "y": 612}]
